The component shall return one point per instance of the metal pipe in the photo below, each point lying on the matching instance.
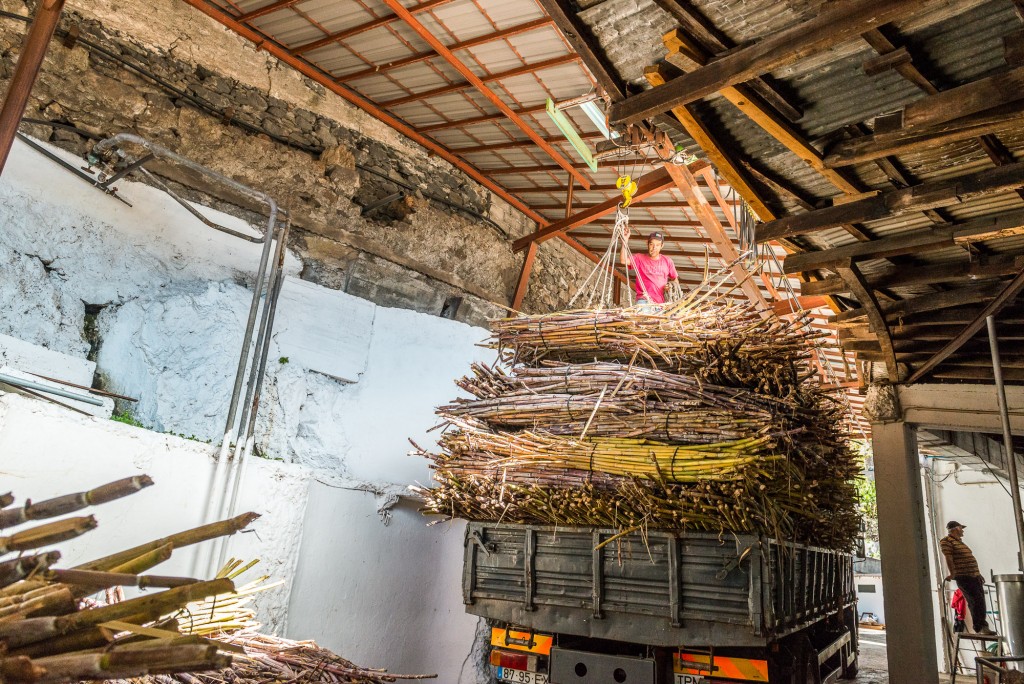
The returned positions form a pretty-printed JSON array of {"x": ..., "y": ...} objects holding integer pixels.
[
  {"x": 195, "y": 212},
  {"x": 28, "y": 384},
  {"x": 247, "y": 435},
  {"x": 1011, "y": 459},
  {"x": 25, "y": 72}
]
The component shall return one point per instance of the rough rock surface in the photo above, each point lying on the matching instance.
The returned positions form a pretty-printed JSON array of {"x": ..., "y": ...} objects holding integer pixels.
[{"x": 322, "y": 159}]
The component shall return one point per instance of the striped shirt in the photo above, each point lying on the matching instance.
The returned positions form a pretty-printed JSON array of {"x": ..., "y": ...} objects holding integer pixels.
[{"x": 964, "y": 563}]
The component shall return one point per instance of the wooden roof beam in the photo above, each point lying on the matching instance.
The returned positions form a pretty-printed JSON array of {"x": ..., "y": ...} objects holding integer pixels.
[
  {"x": 928, "y": 195},
  {"x": 686, "y": 182},
  {"x": 705, "y": 40},
  {"x": 306, "y": 69},
  {"x": 931, "y": 239},
  {"x": 482, "y": 88},
  {"x": 862, "y": 291},
  {"x": 758, "y": 111},
  {"x": 1008, "y": 294},
  {"x": 649, "y": 185},
  {"x": 836, "y": 24},
  {"x": 461, "y": 45},
  {"x": 976, "y": 268},
  {"x": 586, "y": 46}
]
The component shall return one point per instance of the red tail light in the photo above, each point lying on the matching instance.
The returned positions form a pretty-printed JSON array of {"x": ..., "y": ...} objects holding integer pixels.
[{"x": 516, "y": 661}]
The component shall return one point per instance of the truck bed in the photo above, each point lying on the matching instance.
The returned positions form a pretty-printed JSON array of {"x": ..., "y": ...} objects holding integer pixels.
[{"x": 660, "y": 589}]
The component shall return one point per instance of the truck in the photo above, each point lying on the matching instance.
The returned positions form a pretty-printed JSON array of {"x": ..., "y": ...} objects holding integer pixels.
[{"x": 580, "y": 605}]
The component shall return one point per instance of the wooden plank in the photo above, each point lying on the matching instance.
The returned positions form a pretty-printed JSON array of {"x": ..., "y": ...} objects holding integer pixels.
[
  {"x": 586, "y": 46},
  {"x": 650, "y": 184},
  {"x": 838, "y": 23},
  {"x": 934, "y": 301},
  {"x": 1007, "y": 295},
  {"x": 524, "y": 276},
  {"x": 905, "y": 140},
  {"x": 755, "y": 108},
  {"x": 977, "y": 268},
  {"x": 886, "y": 62},
  {"x": 701, "y": 208},
  {"x": 928, "y": 195},
  {"x": 971, "y": 98},
  {"x": 882, "y": 45},
  {"x": 705, "y": 138},
  {"x": 866, "y": 297}
]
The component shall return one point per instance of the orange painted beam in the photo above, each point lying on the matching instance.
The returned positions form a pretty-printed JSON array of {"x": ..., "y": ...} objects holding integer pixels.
[
  {"x": 650, "y": 184},
  {"x": 364, "y": 27},
  {"x": 439, "y": 47}
]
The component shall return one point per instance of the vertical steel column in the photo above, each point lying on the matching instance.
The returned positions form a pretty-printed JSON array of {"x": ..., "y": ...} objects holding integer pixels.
[
  {"x": 33, "y": 50},
  {"x": 1011, "y": 460},
  {"x": 910, "y": 620}
]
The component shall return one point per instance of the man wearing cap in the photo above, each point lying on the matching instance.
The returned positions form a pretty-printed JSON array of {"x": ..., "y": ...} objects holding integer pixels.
[
  {"x": 653, "y": 270},
  {"x": 963, "y": 567}
]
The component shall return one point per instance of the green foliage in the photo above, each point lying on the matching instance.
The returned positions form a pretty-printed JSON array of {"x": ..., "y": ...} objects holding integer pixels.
[
  {"x": 127, "y": 418},
  {"x": 283, "y": 360}
]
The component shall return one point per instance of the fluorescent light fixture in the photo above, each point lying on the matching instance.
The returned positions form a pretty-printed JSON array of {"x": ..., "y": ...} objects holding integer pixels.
[{"x": 595, "y": 114}]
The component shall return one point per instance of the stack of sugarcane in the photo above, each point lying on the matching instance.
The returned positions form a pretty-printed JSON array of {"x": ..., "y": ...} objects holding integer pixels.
[
  {"x": 228, "y": 621},
  {"x": 698, "y": 416},
  {"x": 51, "y": 632}
]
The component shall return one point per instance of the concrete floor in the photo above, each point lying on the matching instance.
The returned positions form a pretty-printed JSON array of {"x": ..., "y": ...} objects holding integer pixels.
[{"x": 873, "y": 667}]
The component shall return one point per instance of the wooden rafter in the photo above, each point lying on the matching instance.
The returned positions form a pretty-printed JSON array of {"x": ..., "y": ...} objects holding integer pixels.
[
  {"x": 913, "y": 243},
  {"x": 974, "y": 269},
  {"x": 701, "y": 208},
  {"x": 837, "y": 24},
  {"x": 586, "y": 47},
  {"x": 516, "y": 30},
  {"x": 716, "y": 152},
  {"x": 705, "y": 39},
  {"x": 1007, "y": 295},
  {"x": 906, "y": 140},
  {"x": 851, "y": 273},
  {"x": 482, "y": 88},
  {"x": 928, "y": 195},
  {"x": 317, "y": 75},
  {"x": 524, "y": 276},
  {"x": 649, "y": 185}
]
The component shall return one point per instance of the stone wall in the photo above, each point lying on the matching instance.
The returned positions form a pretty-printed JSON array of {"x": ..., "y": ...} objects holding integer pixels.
[{"x": 169, "y": 73}]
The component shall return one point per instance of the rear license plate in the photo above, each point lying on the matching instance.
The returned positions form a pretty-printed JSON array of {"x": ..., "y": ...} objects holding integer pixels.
[
  {"x": 689, "y": 679},
  {"x": 507, "y": 674}
]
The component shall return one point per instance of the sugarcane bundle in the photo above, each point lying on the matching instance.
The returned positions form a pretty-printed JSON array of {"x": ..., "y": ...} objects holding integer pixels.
[
  {"x": 719, "y": 343},
  {"x": 697, "y": 415},
  {"x": 51, "y": 633}
]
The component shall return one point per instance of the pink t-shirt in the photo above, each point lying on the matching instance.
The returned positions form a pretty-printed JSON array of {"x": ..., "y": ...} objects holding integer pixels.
[{"x": 653, "y": 274}]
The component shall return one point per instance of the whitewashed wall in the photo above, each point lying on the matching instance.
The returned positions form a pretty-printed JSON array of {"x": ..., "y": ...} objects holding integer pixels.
[
  {"x": 976, "y": 499},
  {"x": 348, "y": 384},
  {"x": 46, "y": 451}
]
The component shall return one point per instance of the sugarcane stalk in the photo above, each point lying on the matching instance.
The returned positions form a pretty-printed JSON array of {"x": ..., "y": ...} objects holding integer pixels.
[
  {"x": 179, "y": 540},
  {"x": 46, "y": 534},
  {"x": 69, "y": 503},
  {"x": 12, "y": 571},
  {"x": 101, "y": 580}
]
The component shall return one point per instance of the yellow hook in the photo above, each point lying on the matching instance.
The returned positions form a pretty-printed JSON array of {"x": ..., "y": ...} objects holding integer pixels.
[{"x": 628, "y": 187}]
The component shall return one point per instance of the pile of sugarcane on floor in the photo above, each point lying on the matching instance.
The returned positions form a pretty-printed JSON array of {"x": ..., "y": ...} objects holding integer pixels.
[
  {"x": 700, "y": 415},
  {"x": 53, "y": 630}
]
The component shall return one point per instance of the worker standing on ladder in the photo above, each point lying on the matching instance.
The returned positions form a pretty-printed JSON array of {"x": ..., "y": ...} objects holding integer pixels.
[
  {"x": 653, "y": 270},
  {"x": 963, "y": 567}
]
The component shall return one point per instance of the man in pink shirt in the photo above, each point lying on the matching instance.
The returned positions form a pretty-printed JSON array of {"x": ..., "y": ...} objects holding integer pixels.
[{"x": 652, "y": 270}]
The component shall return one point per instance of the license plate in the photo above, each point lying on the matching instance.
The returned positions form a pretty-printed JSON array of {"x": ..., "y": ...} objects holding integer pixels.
[
  {"x": 507, "y": 674},
  {"x": 688, "y": 679}
]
